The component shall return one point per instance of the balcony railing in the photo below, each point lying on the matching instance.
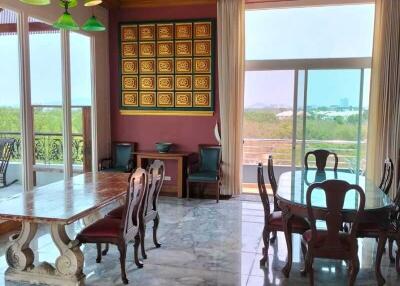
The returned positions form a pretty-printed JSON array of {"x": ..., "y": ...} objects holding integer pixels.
[
  {"x": 256, "y": 150},
  {"x": 48, "y": 147}
]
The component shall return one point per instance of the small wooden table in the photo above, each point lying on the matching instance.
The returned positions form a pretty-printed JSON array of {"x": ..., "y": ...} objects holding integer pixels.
[
  {"x": 180, "y": 157},
  {"x": 58, "y": 204}
]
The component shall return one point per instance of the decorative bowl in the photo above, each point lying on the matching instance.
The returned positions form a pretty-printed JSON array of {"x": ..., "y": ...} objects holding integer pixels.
[{"x": 163, "y": 147}]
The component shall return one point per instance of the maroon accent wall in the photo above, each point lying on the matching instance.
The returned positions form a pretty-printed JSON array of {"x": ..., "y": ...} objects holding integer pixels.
[{"x": 186, "y": 132}]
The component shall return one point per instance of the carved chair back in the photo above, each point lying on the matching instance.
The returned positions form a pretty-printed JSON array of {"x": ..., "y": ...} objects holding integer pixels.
[
  {"x": 263, "y": 190},
  {"x": 156, "y": 178},
  {"x": 210, "y": 157},
  {"x": 321, "y": 157},
  {"x": 6, "y": 149},
  {"x": 387, "y": 176},
  {"x": 272, "y": 181},
  {"x": 335, "y": 193},
  {"x": 134, "y": 206}
]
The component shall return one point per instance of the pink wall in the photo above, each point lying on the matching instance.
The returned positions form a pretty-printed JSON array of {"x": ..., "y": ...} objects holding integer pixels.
[{"x": 184, "y": 131}]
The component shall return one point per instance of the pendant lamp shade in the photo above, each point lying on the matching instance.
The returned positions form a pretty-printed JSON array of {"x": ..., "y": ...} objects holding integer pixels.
[
  {"x": 71, "y": 3},
  {"x": 93, "y": 25},
  {"x": 36, "y": 2},
  {"x": 66, "y": 22},
  {"x": 92, "y": 2}
]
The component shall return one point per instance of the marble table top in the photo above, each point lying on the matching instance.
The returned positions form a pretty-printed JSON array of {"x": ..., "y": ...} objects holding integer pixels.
[{"x": 66, "y": 201}]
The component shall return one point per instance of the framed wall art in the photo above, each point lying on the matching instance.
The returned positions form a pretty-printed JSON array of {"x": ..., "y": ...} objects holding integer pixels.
[{"x": 167, "y": 68}]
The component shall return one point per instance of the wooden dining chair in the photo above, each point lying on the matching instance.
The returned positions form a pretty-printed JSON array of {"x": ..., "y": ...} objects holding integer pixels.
[
  {"x": 332, "y": 243},
  {"x": 156, "y": 173},
  {"x": 120, "y": 231},
  {"x": 387, "y": 176},
  {"x": 6, "y": 151},
  {"x": 321, "y": 157},
  {"x": 273, "y": 220}
]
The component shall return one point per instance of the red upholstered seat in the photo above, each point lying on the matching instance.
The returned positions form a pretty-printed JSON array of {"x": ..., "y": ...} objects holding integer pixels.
[
  {"x": 368, "y": 227},
  {"x": 116, "y": 213},
  {"x": 275, "y": 219},
  {"x": 322, "y": 235},
  {"x": 103, "y": 228}
]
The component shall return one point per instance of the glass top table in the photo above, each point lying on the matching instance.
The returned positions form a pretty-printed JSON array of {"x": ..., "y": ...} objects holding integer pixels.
[{"x": 293, "y": 185}]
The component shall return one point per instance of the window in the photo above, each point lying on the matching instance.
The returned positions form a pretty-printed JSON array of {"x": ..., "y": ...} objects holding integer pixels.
[{"x": 306, "y": 85}]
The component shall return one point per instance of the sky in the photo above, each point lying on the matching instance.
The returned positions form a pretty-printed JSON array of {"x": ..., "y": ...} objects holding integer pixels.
[{"x": 308, "y": 33}]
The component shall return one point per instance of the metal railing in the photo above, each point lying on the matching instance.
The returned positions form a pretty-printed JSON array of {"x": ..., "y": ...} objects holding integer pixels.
[
  {"x": 258, "y": 150},
  {"x": 48, "y": 147}
]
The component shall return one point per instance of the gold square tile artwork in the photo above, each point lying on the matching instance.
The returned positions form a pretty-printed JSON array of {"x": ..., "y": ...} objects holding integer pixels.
[
  {"x": 167, "y": 67},
  {"x": 129, "y": 66},
  {"x": 130, "y": 98},
  {"x": 147, "y": 66},
  {"x": 129, "y": 33},
  {"x": 183, "y": 30},
  {"x": 165, "y": 31},
  {"x": 165, "y": 49},
  {"x": 165, "y": 82},
  {"x": 183, "y": 65},
  {"x": 147, "y": 49},
  {"x": 147, "y": 32},
  {"x": 165, "y": 99},
  {"x": 147, "y": 98}
]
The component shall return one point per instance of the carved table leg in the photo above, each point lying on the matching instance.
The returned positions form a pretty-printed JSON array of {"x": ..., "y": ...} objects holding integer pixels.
[
  {"x": 19, "y": 256},
  {"x": 379, "y": 253},
  {"x": 287, "y": 227}
]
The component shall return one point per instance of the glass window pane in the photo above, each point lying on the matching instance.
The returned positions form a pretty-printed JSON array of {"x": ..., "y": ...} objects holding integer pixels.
[
  {"x": 310, "y": 32},
  {"x": 46, "y": 92},
  {"x": 10, "y": 122},
  {"x": 81, "y": 97}
]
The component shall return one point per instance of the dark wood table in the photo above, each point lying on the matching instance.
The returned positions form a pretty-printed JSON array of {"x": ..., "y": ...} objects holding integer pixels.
[
  {"x": 57, "y": 204},
  {"x": 291, "y": 195},
  {"x": 180, "y": 157}
]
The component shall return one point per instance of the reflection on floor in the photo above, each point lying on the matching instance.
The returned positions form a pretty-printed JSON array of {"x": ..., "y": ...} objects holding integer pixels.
[{"x": 204, "y": 243}]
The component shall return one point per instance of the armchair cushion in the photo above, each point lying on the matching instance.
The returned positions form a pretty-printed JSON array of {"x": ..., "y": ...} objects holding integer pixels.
[
  {"x": 209, "y": 159},
  {"x": 203, "y": 176},
  {"x": 123, "y": 154}
]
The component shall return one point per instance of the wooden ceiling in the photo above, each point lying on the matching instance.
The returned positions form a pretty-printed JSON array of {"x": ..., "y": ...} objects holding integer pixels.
[{"x": 115, "y": 4}]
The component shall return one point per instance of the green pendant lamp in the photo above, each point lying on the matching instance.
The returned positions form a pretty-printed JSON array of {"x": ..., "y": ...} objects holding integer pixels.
[
  {"x": 66, "y": 21},
  {"x": 93, "y": 25},
  {"x": 36, "y": 2},
  {"x": 92, "y": 2},
  {"x": 71, "y": 3}
]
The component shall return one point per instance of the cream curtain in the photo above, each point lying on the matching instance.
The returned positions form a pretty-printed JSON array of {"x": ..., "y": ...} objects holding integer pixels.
[
  {"x": 384, "y": 112},
  {"x": 231, "y": 89}
]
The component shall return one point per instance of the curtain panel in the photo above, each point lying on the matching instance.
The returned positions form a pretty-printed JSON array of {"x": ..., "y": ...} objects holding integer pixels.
[
  {"x": 231, "y": 59},
  {"x": 384, "y": 111}
]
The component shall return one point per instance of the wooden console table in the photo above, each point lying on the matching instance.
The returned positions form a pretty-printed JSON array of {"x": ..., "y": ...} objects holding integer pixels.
[{"x": 180, "y": 157}]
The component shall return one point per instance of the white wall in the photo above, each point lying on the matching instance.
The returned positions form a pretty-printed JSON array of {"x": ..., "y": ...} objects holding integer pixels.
[{"x": 50, "y": 14}]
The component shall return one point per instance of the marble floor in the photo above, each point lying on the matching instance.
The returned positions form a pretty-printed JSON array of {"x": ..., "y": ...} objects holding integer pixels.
[{"x": 204, "y": 243}]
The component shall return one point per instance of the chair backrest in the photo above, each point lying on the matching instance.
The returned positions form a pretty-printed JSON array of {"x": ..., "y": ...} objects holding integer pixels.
[
  {"x": 272, "y": 181},
  {"x": 387, "y": 176},
  {"x": 156, "y": 178},
  {"x": 262, "y": 190},
  {"x": 6, "y": 149},
  {"x": 335, "y": 193},
  {"x": 321, "y": 157},
  {"x": 134, "y": 205},
  {"x": 122, "y": 154},
  {"x": 210, "y": 157}
]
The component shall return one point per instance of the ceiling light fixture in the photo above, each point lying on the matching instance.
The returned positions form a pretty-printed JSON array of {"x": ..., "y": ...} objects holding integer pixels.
[
  {"x": 66, "y": 21},
  {"x": 92, "y": 2},
  {"x": 93, "y": 25}
]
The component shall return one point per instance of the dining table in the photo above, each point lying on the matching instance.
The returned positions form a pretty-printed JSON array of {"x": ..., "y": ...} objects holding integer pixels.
[
  {"x": 291, "y": 196},
  {"x": 57, "y": 205}
]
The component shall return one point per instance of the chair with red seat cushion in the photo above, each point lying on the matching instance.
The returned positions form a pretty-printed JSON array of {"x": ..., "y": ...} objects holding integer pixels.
[
  {"x": 120, "y": 231},
  {"x": 331, "y": 242},
  {"x": 273, "y": 221},
  {"x": 156, "y": 178}
]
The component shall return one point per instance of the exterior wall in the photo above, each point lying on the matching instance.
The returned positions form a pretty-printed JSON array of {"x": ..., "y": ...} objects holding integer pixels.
[{"x": 186, "y": 132}]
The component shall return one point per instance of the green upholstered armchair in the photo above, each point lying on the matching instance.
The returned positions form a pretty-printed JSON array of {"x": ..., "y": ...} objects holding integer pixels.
[
  {"x": 121, "y": 160},
  {"x": 207, "y": 168}
]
